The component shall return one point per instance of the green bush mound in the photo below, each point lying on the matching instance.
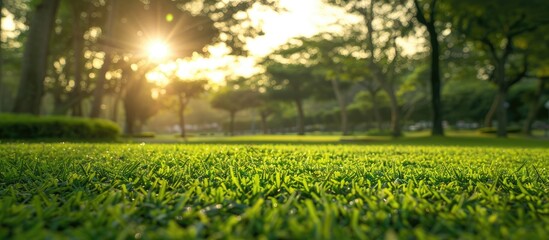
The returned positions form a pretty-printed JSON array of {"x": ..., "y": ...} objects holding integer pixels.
[{"x": 45, "y": 127}]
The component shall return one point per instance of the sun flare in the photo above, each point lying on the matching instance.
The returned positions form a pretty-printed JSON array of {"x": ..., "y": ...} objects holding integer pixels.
[{"x": 158, "y": 50}]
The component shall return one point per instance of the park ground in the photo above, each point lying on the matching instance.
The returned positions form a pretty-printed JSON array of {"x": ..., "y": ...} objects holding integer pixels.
[{"x": 277, "y": 187}]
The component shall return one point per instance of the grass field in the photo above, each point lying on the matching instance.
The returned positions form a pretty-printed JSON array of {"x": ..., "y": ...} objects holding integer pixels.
[{"x": 404, "y": 189}]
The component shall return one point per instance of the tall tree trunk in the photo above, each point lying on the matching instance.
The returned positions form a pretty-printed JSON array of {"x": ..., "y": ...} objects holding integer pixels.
[
  {"x": 35, "y": 58},
  {"x": 535, "y": 105},
  {"x": 502, "y": 97},
  {"x": 300, "y": 117},
  {"x": 428, "y": 20},
  {"x": 436, "y": 102},
  {"x": 231, "y": 123},
  {"x": 99, "y": 90},
  {"x": 181, "y": 114},
  {"x": 501, "y": 109},
  {"x": 342, "y": 106}
]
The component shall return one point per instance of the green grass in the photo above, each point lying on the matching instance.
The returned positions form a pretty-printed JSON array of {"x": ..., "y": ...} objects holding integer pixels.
[
  {"x": 147, "y": 191},
  {"x": 459, "y": 138}
]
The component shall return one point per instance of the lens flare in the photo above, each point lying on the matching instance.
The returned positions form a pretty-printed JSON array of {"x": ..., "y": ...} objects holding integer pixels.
[{"x": 158, "y": 50}]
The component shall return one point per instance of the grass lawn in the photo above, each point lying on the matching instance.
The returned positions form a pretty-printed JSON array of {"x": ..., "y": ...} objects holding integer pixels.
[{"x": 259, "y": 188}]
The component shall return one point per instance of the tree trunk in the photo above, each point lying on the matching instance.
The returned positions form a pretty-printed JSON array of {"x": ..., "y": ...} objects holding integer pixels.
[
  {"x": 78, "y": 47},
  {"x": 375, "y": 108},
  {"x": 130, "y": 123},
  {"x": 488, "y": 119},
  {"x": 437, "y": 129},
  {"x": 231, "y": 123},
  {"x": 342, "y": 106},
  {"x": 502, "y": 114},
  {"x": 300, "y": 117},
  {"x": 501, "y": 96},
  {"x": 535, "y": 105},
  {"x": 116, "y": 107},
  {"x": 181, "y": 114},
  {"x": 264, "y": 125},
  {"x": 427, "y": 19},
  {"x": 99, "y": 90},
  {"x": 395, "y": 115},
  {"x": 35, "y": 58}
]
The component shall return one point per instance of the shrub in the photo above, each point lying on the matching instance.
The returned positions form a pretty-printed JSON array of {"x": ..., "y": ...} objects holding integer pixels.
[{"x": 43, "y": 127}]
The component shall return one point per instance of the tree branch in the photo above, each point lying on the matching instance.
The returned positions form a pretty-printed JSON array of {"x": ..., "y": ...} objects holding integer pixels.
[
  {"x": 491, "y": 48},
  {"x": 520, "y": 75},
  {"x": 432, "y": 12},
  {"x": 419, "y": 13}
]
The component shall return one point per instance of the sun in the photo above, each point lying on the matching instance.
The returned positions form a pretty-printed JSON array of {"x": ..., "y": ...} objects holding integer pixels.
[{"x": 158, "y": 50}]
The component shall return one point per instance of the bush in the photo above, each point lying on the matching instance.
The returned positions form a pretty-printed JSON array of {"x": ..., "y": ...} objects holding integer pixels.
[
  {"x": 43, "y": 127},
  {"x": 495, "y": 130}
]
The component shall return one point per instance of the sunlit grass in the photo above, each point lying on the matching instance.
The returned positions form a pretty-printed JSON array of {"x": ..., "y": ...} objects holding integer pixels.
[
  {"x": 99, "y": 191},
  {"x": 422, "y": 138}
]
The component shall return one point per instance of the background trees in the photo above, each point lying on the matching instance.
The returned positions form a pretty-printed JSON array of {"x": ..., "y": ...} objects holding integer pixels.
[
  {"x": 35, "y": 59},
  {"x": 184, "y": 91},
  {"x": 502, "y": 30},
  {"x": 235, "y": 100},
  {"x": 387, "y": 65}
]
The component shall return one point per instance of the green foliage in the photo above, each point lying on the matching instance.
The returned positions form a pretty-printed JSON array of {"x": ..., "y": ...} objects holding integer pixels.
[
  {"x": 272, "y": 192},
  {"x": 187, "y": 89},
  {"x": 234, "y": 100},
  {"x": 32, "y": 127}
]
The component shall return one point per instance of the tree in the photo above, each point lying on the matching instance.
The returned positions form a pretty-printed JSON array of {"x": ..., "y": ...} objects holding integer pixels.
[
  {"x": 184, "y": 91},
  {"x": 266, "y": 109},
  {"x": 291, "y": 82},
  {"x": 31, "y": 85},
  {"x": 72, "y": 72},
  {"x": 426, "y": 14},
  {"x": 186, "y": 26},
  {"x": 380, "y": 45},
  {"x": 138, "y": 103},
  {"x": 235, "y": 100},
  {"x": 107, "y": 33},
  {"x": 330, "y": 63},
  {"x": 501, "y": 30}
]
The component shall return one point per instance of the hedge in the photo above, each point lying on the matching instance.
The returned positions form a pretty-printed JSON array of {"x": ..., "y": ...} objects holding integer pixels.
[{"x": 45, "y": 127}]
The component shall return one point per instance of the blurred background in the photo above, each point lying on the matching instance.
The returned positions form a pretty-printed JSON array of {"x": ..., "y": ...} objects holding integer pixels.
[{"x": 238, "y": 67}]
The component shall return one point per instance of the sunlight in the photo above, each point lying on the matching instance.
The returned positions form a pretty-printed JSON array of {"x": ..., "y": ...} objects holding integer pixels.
[{"x": 158, "y": 50}]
